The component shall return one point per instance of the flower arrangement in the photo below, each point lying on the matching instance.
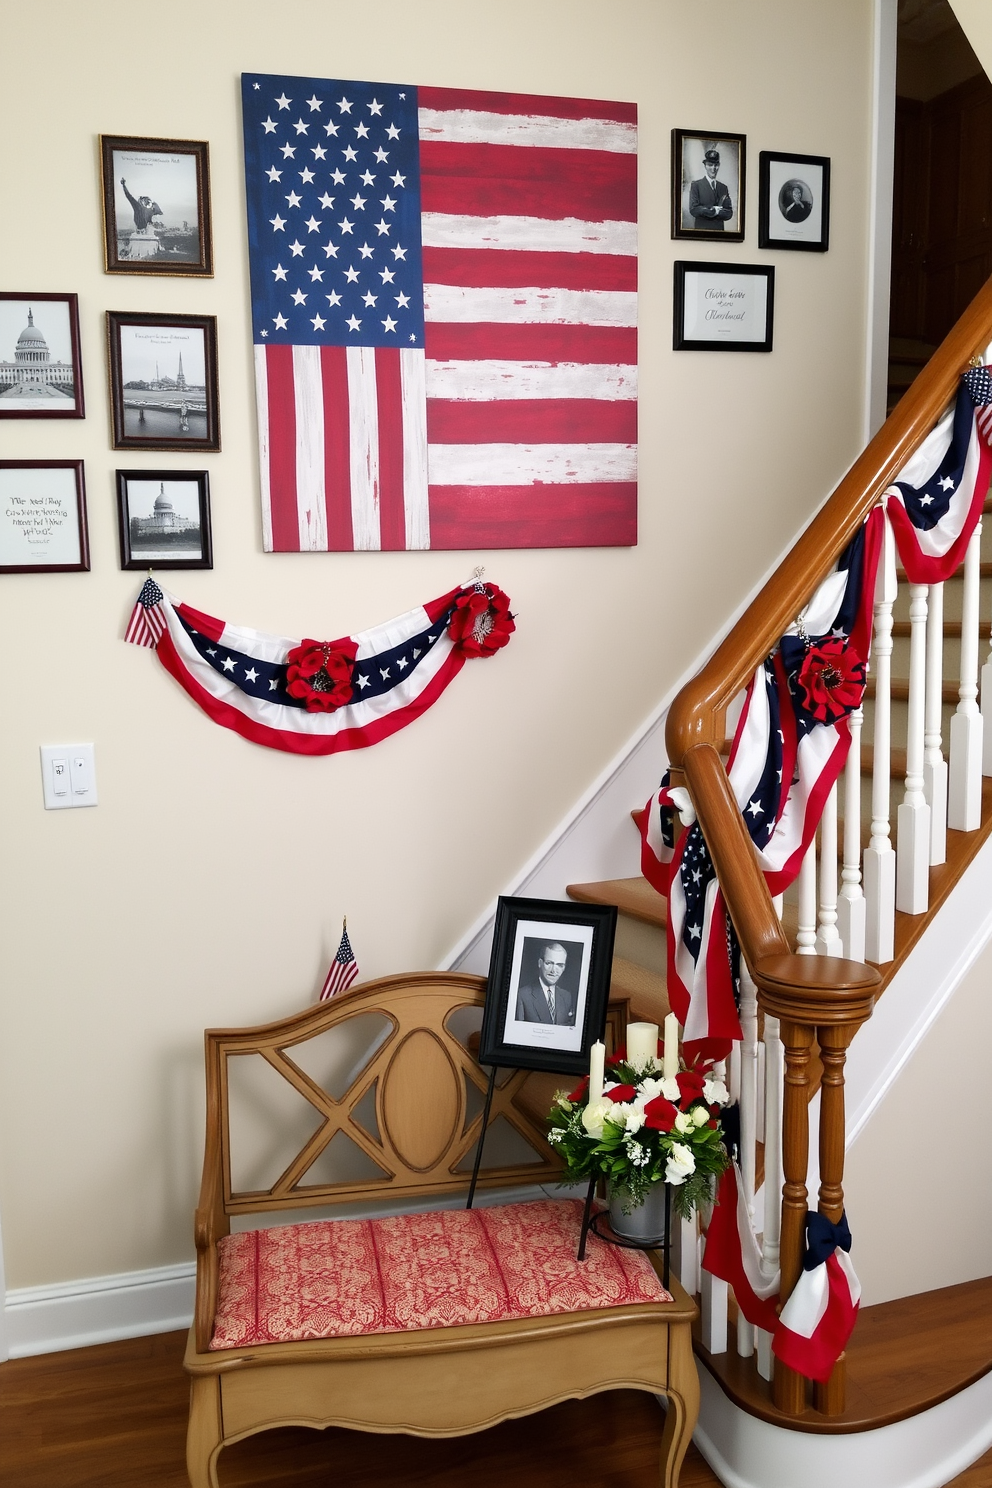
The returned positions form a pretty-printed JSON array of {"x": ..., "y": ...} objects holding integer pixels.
[
  {"x": 319, "y": 675},
  {"x": 655, "y": 1120}
]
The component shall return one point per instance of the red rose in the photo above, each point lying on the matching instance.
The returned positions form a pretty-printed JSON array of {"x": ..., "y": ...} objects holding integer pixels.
[
  {"x": 690, "y": 1088},
  {"x": 620, "y": 1093},
  {"x": 319, "y": 674},
  {"x": 832, "y": 677},
  {"x": 620, "y": 1057},
  {"x": 579, "y": 1093},
  {"x": 660, "y": 1114},
  {"x": 481, "y": 622},
  {"x": 711, "y": 1125}
]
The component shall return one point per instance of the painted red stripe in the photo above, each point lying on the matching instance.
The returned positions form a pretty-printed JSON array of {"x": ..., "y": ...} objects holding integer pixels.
[
  {"x": 282, "y": 449},
  {"x": 447, "y": 341},
  {"x": 581, "y": 516},
  {"x": 337, "y": 470},
  {"x": 392, "y": 523},
  {"x": 485, "y": 180},
  {"x": 495, "y": 268},
  {"x": 532, "y": 421},
  {"x": 526, "y": 103}
]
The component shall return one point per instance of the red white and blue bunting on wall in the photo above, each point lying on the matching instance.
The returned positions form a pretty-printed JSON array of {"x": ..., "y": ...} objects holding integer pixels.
[{"x": 319, "y": 697}]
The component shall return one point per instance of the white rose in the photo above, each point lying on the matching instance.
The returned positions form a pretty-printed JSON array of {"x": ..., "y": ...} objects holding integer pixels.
[
  {"x": 670, "y": 1090},
  {"x": 648, "y": 1089},
  {"x": 635, "y": 1116},
  {"x": 595, "y": 1114},
  {"x": 680, "y": 1164},
  {"x": 699, "y": 1115},
  {"x": 684, "y": 1123},
  {"x": 715, "y": 1093}
]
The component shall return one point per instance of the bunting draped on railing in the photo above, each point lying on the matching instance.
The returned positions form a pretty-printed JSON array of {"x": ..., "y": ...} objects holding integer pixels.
[{"x": 318, "y": 697}]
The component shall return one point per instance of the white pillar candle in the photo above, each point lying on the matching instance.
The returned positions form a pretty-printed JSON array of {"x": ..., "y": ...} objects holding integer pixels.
[
  {"x": 597, "y": 1064},
  {"x": 642, "y": 1043},
  {"x": 671, "y": 1059}
]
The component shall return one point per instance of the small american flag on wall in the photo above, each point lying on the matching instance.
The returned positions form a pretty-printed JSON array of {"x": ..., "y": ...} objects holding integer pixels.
[
  {"x": 444, "y": 311},
  {"x": 343, "y": 970}
]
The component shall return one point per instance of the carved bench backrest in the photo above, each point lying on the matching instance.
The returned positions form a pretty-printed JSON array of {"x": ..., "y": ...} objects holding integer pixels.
[{"x": 385, "y": 1073}]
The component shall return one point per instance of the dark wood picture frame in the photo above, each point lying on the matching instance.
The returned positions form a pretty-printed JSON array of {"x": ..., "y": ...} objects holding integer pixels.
[
  {"x": 9, "y": 354},
  {"x": 168, "y": 247},
  {"x": 156, "y": 554},
  {"x": 685, "y": 301},
  {"x": 689, "y": 146},
  {"x": 171, "y": 408},
  {"x": 810, "y": 232},
  {"x": 586, "y": 931},
  {"x": 31, "y": 499}
]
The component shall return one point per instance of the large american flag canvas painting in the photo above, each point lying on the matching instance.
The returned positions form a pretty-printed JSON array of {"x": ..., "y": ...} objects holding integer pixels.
[{"x": 444, "y": 290}]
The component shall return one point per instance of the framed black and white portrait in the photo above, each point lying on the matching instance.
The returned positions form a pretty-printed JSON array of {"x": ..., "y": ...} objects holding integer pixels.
[
  {"x": 156, "y": 206},
  {"x": 793, "y": 201},
  {"x": 723, "y": 307},
  {"x": 708, "y": 180},
  {"x": 163, "y": 381},
  {"x": 549, "y": 983},
  {"x": 40, "y": 371},
  {"x": 163, "y": 519}
]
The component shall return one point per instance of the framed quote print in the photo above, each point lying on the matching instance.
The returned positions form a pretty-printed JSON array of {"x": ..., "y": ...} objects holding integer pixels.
[
  {"x": 43, "y": 517},
  {"x": 723, "y": 307}
]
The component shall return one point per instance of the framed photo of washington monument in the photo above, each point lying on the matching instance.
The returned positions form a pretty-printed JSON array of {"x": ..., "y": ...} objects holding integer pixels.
[{"x": 163, "y": 381}]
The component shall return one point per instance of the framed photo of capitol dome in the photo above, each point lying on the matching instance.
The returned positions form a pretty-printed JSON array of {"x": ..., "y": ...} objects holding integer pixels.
[
  {"x": 40, "y": 369},
  {"x": 163, "y": 519}
]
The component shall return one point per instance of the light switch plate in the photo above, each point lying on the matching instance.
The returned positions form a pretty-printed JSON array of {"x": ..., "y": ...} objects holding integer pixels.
[{"x": 68, "y": 776}]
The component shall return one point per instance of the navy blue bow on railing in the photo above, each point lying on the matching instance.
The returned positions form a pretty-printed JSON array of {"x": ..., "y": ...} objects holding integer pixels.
[{"x": 823, "y": 1238}]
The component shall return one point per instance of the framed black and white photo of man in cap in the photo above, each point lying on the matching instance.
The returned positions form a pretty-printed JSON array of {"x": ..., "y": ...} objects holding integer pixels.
[{"x": 708, "y": 185}]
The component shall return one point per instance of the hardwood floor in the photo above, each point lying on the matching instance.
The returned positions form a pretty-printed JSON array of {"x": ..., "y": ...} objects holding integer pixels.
[{"x": 114, "y": 1416}]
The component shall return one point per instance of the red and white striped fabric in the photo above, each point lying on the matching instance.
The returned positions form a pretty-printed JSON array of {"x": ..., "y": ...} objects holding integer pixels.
[{"x": 819, "y": 1317}]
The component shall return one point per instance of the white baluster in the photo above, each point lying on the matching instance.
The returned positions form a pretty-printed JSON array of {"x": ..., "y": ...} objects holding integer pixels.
[
  {"x": 913, "y": 859},
  {"x": 748, "y": 1114},
  {"x": 851, "y": 903},
  {"x": 880, "y": 859},
  {"x": 828, "y": 941},
  {"x": 734, "y": 1073},
  {"x": 759, "y": 1120},
  {"x": 986, "y": 704},
  {"x": 774, "y": 1086},
  {"x": 934, "y": 763},
  {"x": 713, "y": 1299},
  {"x": 685, "y": 1252},
  {"x": 806, "y": 933},
  {"x": 964, "y": 796}
]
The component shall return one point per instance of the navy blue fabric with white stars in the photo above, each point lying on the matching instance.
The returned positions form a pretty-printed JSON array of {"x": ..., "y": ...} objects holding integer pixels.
[
  {"x": 332, "y": 172},
  {"x": 927, "y": 504},
  {"x": 371, "y": 676}
]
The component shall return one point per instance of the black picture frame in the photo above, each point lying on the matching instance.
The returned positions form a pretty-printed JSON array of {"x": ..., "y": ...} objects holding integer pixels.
[
  {"x": 175, "y": 239},
  {"x": 177, "y": 408},
  {"x": 168, "y": 529},
  {"x": 697, "y": 212},
  {"x": 798, "y": 185},
  {"x": 743, "y": 315},
  {"x": 32, "y": 384},
  {"x": 511, "y": 1035},
  {"x": 38, "y": 499}
]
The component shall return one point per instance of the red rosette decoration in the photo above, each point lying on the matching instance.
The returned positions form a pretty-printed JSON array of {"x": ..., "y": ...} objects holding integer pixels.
[
  {"x": 481, "y": 623},
  {"x": 832, "y": 679},
  {"x": 319, "y": 674}
]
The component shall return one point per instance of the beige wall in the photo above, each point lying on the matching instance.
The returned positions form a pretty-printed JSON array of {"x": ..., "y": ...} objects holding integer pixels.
[
  {"x": 208, "y": 886},
  {"x": 918, "y": 1180},
  {"x": 976, "y": 22}
]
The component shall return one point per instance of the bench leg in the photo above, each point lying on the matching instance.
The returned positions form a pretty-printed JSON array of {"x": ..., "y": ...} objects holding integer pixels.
[
  {"x": 683, "y": 1405},
  {"x": 204, "y": 1435}
]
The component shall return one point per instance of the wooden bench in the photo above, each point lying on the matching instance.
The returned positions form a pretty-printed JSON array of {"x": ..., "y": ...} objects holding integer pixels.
[{"x": 385, "y": 1074}]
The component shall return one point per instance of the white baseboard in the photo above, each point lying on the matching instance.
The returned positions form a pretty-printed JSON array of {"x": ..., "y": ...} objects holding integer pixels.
[{"x": 99, "y": 1309}]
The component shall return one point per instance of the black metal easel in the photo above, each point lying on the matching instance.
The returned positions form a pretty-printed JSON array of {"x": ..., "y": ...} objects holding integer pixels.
[
  {"x": 592, "y": 1222},
  {"x": 482, "y": 1136}
]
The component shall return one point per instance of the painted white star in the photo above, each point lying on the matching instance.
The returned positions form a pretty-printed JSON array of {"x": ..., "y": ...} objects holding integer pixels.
[
  {"x": 402, "y": 663},
  {"x": 381, "y": 155},
  {"x": 326, "y": 201},
  {"x": 362, "y": 131},
  {"x": 288, "y": 152},
  {"x": 280, "y": 322},
  {"x": 387, "y": 276},
  {"x": 315, "y": 273},
  {"x": 268, "y": 126},
  {"x": 318, "y": 152},
  {"x": 402, "y": 95},
  {"x": 279, "y": 272},
  {"x": 315, "y": 103},
  {"x": 351, "y": 274},
  {"x": 375, "y": 107},
  {"x": 398, "y": 180},
  {"x": 349, "y": 153},
  {"x": 353, "y": 324},
  {"x": 346, "y": 226},
  {"x": 365, "y": 251},
  {"x": 265, "y": 333},
  {"x": 299, "y": 298},
  {"x": 382, "y": 226},
  {"x": 947, "y": 484},
  {"x": 358, "y": 202},
  {"x": 398, "y": 252},
  {"x": 251, "y": 675},
  {"x": 273, "y": 174},
  {"x": 278, "y": 223},
  {"x": 293, "y": 199},
  {"x": 331, "y": 250},
  {"x": 337, "y": 177},
  {"x": 283, "y": 101},
  {"x": 383, "y": 673},
  {"x": 389, "y": 324},
  {"x": 363, "y": 682},
  {"x": 330, "y": 128},
  {"x": 367, "y": 178},
  {"x": 228, "y": 665},
  {"x": 256, "y": 86},
  {"x": 306, "y": 176},
  {"x": 344, "y": 105},
  {"x": 402, "y": 301},
  {"x": 388, "y": 203},
  {"x": 412, "y": 336},
  {"x": 756, "y": 809},
  {"x": 334, "y": 298},
  {"x": 368, "y": 298},
  {"x": 296, "y": 249},
  {"x": 392, "y": 132},
  {"x": 312, "y": 225},
  {"x": 300, "y": 127},
  {"x": 318, "y": 323}
]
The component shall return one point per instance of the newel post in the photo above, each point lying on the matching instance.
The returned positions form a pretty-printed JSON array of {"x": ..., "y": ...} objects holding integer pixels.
[{"x": 832, "y": 998}]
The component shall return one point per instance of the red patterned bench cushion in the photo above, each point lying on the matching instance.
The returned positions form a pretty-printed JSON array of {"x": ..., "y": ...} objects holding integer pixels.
[{"x": 338, "y": 1278}]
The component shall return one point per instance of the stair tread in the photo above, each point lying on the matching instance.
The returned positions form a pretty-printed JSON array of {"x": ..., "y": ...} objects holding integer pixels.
[
  {"x": 646, "y": 989},
  {"x": 632, "y": 896}
]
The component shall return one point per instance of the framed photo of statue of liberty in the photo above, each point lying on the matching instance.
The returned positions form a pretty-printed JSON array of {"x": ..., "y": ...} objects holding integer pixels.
[
  {"x": 156, "y": 206},
  {"x": 163, "y": 519},
  {"x": 163, "y": 381},
  {"x": 41, "y": 373}
]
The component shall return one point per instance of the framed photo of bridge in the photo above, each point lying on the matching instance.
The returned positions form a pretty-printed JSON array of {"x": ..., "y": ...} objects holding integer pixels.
[
  {"x": 41, "y": 375},
  {"x": 163, "y": 381},
  {"x": 156, "y": 206},
  {"x": 163, "y": 519}
]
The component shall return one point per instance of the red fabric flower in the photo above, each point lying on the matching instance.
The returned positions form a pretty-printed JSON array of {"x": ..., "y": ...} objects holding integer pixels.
[
  {"x": 482, "y": 622},
  {"x": 620, "y": 1057},
  {"x": 832, "y": 677},
  {"x": 319, "y": 674},
  {"x": 660, "y": 1114},
  {"x": 690, "y": 1088},
  {"x": 620, "y": 1093},
  {"x": 579, "y": 1093}
]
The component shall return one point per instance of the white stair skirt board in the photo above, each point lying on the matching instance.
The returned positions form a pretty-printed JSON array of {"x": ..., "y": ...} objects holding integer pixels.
[{"x": 923, "y": 1451}]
